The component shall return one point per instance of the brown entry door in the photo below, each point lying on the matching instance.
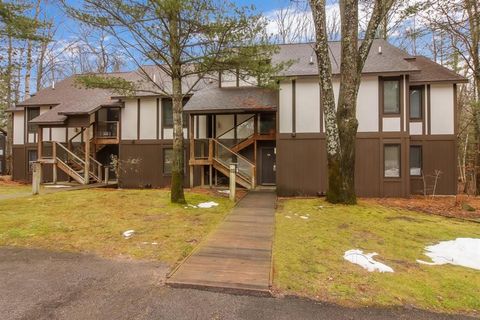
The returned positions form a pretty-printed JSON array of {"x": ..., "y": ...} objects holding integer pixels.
[{"x": 268, "y": 165}]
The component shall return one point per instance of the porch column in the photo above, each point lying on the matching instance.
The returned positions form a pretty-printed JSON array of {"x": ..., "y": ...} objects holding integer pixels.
[
  {"x": 38, "y": 164},
  {"x": 192, "y": 145},
  {"x": 86, "y": 140},
  {"x": 39, "y": 142},
  {"x": 54, "y": 166}
]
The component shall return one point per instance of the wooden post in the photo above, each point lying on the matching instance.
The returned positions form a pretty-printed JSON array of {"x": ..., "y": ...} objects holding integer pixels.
[
  {"x": 191, "y": 131},
  {"x": 86, "y": 139},
  {"x": 107, "y": 172},
  {"x": 36, "y": 177},
  {"x": 54, "y": 158},
  {"x": 233, "y": 174},
  {"x": 100, "y": 172},
  {"x": 39, "y": 142},
  {"x": 210, "y": 176}
]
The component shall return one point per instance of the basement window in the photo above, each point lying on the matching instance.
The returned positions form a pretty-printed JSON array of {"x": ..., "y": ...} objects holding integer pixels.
[
  {"x": 167, "y": 161},
  {"x": 391, "y": 160},
  {"x": 416, "y": 161},
  {"x": 32, "y": 157},
  {"x": 391, "y": 96}
]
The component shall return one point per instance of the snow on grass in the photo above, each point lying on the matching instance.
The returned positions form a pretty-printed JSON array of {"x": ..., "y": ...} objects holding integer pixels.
[
  {"x": 128, "y": 234},
  {"x": 461, "y": 251},
  {"x": 208, "y": 204},
  {"x": 366, "y": 261}
]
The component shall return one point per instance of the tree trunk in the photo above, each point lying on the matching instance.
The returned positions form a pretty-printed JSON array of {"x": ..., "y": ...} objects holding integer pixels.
[
  {"x": 176, "y": 191},
  {"x": 9, "y": 144}
]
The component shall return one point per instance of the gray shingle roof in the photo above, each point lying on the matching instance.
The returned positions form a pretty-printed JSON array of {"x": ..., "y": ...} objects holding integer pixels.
[
  {"x": 304, "y": 59},
  {"x": 433, "y": 72},
  {"x": 233, "y": 99},
  {"x": 68, "y": 98}
]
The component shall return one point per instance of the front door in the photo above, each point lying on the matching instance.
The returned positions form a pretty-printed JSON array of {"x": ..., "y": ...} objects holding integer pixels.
[{"x": 268, "y": 165}]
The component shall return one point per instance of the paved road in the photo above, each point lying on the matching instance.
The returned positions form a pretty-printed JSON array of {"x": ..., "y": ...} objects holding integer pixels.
[
  {"x": 36, "y": 284},
  {"x": 237, "y": 255}
]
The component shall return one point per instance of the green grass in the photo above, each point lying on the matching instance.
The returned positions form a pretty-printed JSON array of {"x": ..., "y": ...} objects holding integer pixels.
[
  {"x": 93, "y": 221},
  {"x": 308, "y": 256},
  {"x": 13, "y": 188}
]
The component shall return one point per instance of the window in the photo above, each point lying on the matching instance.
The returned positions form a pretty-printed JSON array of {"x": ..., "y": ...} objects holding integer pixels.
[
  {"x": 167, "y": 113},
  {"x": 391, "y": 155},
  {"x": 32, "y": 113},
  {"x": 416, "y": 161},
  {"x": 32, "y": 157},
  {"x": 416, "y": 102},
  {"x": 391, "y": 96},
  {"x": 167, "y": 161}
]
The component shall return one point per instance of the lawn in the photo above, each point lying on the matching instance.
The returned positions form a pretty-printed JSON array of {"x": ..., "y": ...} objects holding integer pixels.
[
  {"x": 308, "y": 256},
  {"x": 10, "y": 188},
  {"x": 93, "y": 221}
]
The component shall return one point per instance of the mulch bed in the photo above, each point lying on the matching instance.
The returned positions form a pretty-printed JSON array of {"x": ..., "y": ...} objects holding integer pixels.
[{"x": 460, "y": 206}]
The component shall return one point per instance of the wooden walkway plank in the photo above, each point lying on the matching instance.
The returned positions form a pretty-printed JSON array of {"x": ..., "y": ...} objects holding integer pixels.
[{"x": 237, "y": 256}]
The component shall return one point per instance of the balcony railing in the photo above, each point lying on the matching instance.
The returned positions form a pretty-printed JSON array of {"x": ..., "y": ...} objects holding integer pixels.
[{"x": 107, "y": 130}]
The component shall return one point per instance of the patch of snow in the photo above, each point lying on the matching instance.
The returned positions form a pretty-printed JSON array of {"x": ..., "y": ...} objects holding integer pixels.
[
  {"x": 463, "y": 252},
  {"x": 366, "y": 261},
  {"x": 209, "y": 204},
  {"x": 224, "y": 191},
  {"x": 128, "y": 234},
  {"x": 304, "y": 217},
  {"x": 154, "y": 243},
  {"x": 288, "y": 217},
  {"x": 56, "y": 186}
]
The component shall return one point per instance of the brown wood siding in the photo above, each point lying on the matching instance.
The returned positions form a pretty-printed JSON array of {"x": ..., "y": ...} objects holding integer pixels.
[
  {"x": 301, "y": 166},
  {"x": 149, "y": 171},
  {"x": 19, "y": 163},
  {"x": 367, "y": 173}
]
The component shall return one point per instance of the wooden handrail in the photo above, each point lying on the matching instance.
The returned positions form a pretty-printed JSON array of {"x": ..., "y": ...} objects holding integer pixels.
[
  {"x": 231, "y": 151},
  {"x": 69, "y": 152}
]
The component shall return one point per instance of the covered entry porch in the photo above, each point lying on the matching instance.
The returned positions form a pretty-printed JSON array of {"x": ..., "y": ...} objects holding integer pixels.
[{"x": 233, "y": 126}]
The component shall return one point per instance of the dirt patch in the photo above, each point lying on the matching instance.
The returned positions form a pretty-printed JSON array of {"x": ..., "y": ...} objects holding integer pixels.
[{"x": 460, "y": 206}]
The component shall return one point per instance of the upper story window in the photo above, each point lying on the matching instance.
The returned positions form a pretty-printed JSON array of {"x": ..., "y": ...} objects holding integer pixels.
[
  {"x": 32, "y": 113},
  {"x": 167, "y": 113},
  {"x": 391, "y": 96},
  {"x": 416, "y": 103}
]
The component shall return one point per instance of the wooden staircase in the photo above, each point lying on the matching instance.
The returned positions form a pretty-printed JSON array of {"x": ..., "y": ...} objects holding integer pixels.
[{"x": 73, "y": 164}]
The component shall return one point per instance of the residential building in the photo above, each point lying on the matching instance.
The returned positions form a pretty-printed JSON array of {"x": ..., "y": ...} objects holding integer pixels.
[{"x": 406, "y": 110}]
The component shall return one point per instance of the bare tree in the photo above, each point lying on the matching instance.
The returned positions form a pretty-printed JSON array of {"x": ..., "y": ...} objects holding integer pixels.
[{"x": 341, "y": 123}]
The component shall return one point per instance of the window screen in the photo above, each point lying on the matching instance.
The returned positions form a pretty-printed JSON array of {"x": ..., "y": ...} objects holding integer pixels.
[
  {"x": 415, "y": 160},
  {"x": 416, "y": 103},
  {"x": 167, "y": 161},
  {"x": 392, "y": 161},
  {"x": 391, "y": 96}
]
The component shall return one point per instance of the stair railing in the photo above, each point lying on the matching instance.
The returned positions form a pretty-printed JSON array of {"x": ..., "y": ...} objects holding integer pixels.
[
  {"x": 244, "y": 130},
  {"x": 225, "y": 156}
]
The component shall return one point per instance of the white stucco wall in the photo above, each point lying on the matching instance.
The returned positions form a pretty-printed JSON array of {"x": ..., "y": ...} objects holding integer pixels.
[
  {"x": 307, "y": 106},
  {"x": 285, "y": 107},
  {"x": 367, "y": 105},
  {"x": 18, "y": 127},
  {"x": 129, "y": 120},
  {"x": 441, "y": 109},
  {"x": 391, "y": 124},
  {"x": 148, "y": 118},
  {"x": 416, "y": 128},
  {"x": 59, "y": 134}
]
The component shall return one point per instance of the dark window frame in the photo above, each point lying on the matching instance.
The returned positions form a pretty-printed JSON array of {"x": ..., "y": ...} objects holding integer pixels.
[
  {"x": 399, "y": 160},
  {"x": 421, "y": 161},
  {"x": 422, "y": 102},
  {"x": 164, "y": 152},
  {"x": 30, "y": 162},
  {"x": 382, "y": 96},
  {"x": 170, "y": 126},
  {"x": 31, "y": 128}
]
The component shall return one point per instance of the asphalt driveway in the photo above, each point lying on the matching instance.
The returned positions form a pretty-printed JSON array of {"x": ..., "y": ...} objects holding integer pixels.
[{"x": 37, "y": 284}]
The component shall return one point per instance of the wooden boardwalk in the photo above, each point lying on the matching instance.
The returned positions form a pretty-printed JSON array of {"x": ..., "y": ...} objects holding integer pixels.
[{"x": 237, "y": 256}]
